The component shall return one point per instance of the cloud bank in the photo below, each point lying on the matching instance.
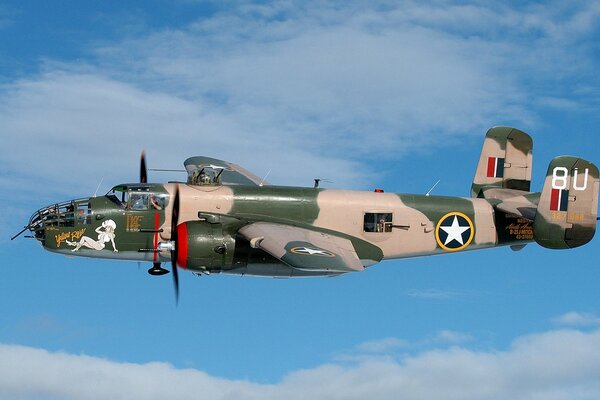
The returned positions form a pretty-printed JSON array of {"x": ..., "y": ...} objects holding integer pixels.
[
  {"x": 561, "y": 364},
  {"x": 576, "y": 319},
  {"x": 304, "y": 90}
]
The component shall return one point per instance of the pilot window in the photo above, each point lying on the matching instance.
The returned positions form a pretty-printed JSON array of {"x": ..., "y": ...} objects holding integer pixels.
[
  {"x": 378, "y": 222},
  {"x": 119, "y": 196},
  {"x": 158, "y": 201},
  {"x": 138, "y": 201}
]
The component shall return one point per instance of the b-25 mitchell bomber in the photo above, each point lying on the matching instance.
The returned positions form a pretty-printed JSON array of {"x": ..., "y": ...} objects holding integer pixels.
[{"x": 226, "y": 220}]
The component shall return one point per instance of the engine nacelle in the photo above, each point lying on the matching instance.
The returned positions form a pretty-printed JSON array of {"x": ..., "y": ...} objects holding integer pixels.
[{"x": 204, "y": 246}]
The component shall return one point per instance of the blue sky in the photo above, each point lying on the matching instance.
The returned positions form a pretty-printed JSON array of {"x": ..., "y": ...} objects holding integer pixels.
[{"x": 367, "y": 94}]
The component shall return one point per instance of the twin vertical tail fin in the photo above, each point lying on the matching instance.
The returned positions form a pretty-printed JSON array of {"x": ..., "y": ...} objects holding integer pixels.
[
  {"x": 505, "y": 161},
  {"x": 564, "y": 214},
  {"x": 567, "y": 212}
]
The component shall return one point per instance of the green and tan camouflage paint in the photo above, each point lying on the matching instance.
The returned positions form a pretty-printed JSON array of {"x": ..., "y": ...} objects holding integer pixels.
[
  {"x": 238, "y": 217},
  {"x": 516, "y": 148},
  {"x": 575, "y": 226}
]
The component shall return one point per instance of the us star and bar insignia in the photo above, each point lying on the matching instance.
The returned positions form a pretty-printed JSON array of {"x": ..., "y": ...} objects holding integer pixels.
[
  {"x": 311, "y": 251},
  {"x": 454, "y": 231}
]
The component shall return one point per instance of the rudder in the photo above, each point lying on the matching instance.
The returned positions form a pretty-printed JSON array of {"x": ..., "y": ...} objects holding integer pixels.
[
  {"x": 567, "y": 212},
  {"x": 505, "y": 161}
]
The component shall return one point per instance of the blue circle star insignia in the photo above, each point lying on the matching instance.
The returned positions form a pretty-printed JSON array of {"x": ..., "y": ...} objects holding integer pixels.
[
  {"x": 311, "y": 251},
  {"x": 454, "y": 231}
]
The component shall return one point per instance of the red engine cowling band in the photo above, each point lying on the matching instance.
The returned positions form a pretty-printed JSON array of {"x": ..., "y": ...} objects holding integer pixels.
[{"x": 203, "y": 246}]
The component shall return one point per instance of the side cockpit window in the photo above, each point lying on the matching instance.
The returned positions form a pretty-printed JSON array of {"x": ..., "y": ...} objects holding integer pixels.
[
  {"x": 138, "y": 197},
  {"x": 138, "y": 201},
  {"x": 158, "y": 201},
  {"x": 378, "y": 222},
  {"x": 119, "y": 196}
]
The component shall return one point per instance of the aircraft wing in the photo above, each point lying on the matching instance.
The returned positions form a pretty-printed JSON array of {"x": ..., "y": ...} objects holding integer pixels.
[
  {"x": 304, "y": 249},
  {"x": 232, "y": 173}
]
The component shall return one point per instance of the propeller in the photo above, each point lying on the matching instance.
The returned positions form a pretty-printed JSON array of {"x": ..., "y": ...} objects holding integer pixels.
[
  {"x": 156, "y": 267},
  {"x": 143, "y": 169},
  {"x": 174, "y": 223}
]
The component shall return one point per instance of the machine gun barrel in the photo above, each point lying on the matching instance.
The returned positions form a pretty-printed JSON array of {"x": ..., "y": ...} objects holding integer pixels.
[{"x": 21, "y": 232}]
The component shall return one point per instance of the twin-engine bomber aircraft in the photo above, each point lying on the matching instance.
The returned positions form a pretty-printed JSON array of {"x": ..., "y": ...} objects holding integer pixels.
[{"x": 224, "y": 219}]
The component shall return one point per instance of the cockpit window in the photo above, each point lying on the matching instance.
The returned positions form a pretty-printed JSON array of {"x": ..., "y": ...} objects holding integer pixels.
[
  {"x": 137, "y": 197},
  {"x": 138, "y": 201},
  {"x": 118, "y": 195},
  {"x": 158, "y": 201}
]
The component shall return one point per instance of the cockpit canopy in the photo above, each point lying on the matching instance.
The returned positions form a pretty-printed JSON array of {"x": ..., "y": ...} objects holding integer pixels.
[
  {"x": 205, "y": 177},
  {"x": 207, "y": 171},
  {"x": 138, "y": 197}
]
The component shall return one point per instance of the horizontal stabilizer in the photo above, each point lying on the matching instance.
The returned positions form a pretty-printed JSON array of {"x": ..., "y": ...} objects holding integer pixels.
[{"x": 524, "y": 205}]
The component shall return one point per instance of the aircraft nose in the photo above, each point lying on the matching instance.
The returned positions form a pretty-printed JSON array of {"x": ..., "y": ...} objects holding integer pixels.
[{"x": 64, "y": 214}]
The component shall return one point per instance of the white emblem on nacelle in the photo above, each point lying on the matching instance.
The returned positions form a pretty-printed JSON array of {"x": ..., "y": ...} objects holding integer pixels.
[{"x": 307, "y": 251}]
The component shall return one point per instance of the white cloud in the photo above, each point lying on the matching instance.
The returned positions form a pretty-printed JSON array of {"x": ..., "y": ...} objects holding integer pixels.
[
  {"x": 71, "y": 130},
  {"x": 553, "y": 365},
  {"x": 308, "y": 90},
  {"x": 577, "y": 319},
  {"x": 335, "y": 74},
  {"x": 452, "y": 337},
  {"x": 385, "y": 345}
]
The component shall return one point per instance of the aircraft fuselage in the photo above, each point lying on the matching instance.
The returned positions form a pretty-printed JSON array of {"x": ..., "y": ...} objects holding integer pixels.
[{"x": 379, "y": 225}]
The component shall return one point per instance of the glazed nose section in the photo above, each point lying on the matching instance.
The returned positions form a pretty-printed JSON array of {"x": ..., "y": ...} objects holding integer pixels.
[{"x": 60, "y": 215}]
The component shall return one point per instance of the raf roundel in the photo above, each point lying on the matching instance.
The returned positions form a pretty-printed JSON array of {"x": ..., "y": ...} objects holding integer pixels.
[{"x": 454, "y": 231}]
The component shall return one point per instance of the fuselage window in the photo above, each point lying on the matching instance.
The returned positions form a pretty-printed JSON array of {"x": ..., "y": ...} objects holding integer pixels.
[
  {"x": 84, "y": 214},
  {"x": 378, "y": 222},
  {"x": 138, "y": 201}
]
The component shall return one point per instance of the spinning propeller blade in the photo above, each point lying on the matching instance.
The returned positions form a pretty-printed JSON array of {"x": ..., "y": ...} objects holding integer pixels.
[
  {"x": 143, "y": 169},
  {"x": 174, "y": 223},
  {"x": 156, "y": 268}
]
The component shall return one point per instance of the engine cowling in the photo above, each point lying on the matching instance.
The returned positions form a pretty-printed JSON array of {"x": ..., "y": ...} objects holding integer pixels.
[{"x": 204, "y": 246}]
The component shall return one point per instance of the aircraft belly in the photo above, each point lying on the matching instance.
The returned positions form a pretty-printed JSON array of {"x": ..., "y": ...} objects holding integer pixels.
[
  {"x": 111, "y": 255},
  {"x": 274, "y": 271}
]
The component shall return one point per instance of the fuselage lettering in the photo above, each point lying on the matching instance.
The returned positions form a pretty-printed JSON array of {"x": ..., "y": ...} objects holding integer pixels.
[{"x": 560, "y": 182}]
